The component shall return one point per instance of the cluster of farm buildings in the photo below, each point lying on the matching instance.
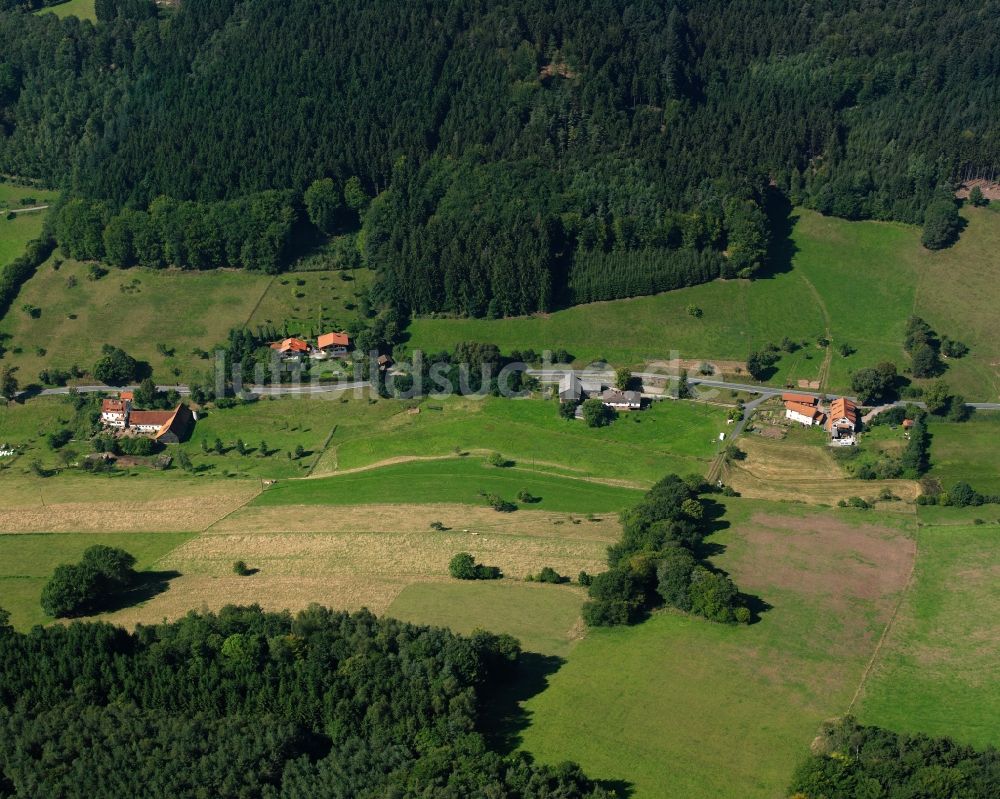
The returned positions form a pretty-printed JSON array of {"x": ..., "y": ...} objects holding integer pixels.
[
  {"x": 573, "y": 389},
  {"x": 165, "y": 427},
  {"x": 328, "y": 345},
  {"x": 840, "y": 419}
]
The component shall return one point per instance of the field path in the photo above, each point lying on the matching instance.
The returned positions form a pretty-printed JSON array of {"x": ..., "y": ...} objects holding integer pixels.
[
  {"x": 885, "y": 632},
  {"x": 824, "y": 369}
]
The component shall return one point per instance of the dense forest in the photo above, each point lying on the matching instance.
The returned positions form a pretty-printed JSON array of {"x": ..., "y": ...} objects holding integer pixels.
[
  {"x": 850, "y": 761},
  {"x": 518, "y": 154},
  {"x": 250, "y": 704}
]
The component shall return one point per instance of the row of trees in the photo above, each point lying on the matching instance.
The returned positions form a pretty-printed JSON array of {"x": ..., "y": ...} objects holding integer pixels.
[
  {"x": 251, "y": 232},
  {"x": 657, "y": 561},
  {"x": 247, "y": 704}
]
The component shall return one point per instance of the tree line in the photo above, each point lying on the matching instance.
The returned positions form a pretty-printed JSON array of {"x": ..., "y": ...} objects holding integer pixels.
[{"x": 244, "y": 703}]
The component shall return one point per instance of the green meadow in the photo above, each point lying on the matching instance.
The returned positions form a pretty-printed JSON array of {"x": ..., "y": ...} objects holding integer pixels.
[
  {"x": 455, "y": 479},
  {"x": 967, "y": 451},
  {"x": 937, "y": 671},
  {"x": 84, "y": 9},
  {"x": 859, "y": 281},
  {"x": 16, "y": 232},
  {"x": 544, "y": 618},
  {"x": 28, "y": 559}
]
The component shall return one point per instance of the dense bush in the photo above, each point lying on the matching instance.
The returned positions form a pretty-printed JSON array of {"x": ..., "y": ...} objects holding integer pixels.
[
  {"x": 115, "y": 367},
  {"x": 464, "y": 567}
]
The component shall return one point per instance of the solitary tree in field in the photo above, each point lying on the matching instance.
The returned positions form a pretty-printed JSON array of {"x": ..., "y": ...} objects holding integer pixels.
[
  {"x": 623, "y": 378},
  {"x": 262, "y": 449},
  {"x": 941, "y": 225},
  {"x": 8, "y": 384}
]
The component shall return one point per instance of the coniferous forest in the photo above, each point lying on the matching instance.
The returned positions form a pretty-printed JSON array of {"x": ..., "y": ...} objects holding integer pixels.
[{"x": 499, "y": 157}]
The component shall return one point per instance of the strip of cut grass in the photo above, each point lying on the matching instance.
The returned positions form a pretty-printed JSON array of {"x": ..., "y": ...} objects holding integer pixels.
[
  {"x": 84, "y": 9},
  {"x": 27, "y": 562},
  {"x": 451, "y": 480}
]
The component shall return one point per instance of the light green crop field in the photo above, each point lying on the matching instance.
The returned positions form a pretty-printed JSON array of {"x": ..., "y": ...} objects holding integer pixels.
[
  {"x": 681, "y": 707},
  {"x": 937, "y": 672},
  {"x": 968, "y": 451},
  {"x": 27, "y": 562},
  {"x": 544, "y": 618},
  {"x": 84, "y": 9},
  {"x": 455, "y": 479},
  {"x": 135, "y": 309},
  {"x": 862, "y": 280}
]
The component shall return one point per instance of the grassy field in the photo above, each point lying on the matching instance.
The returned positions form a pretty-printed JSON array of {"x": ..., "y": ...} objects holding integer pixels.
[
  {"x": 138, "y": 309},
  {"x": 859, "y": 280},
  {"x": 84, "y": 9},
  {"x": 452, "y": 480},
  {"x": 135, "y": 309},
  {"x": 937, "y": 670},
  {"x": 27, "y": 562},
  {"x": 680, "y": 707},
  {"x": 967, "y": 451},
  {"x": 17, "y": 232},
  {"x": 313, "y": 301}
]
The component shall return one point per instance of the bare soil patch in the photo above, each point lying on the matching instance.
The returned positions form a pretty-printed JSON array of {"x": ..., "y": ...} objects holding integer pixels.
[{"x": 820, "y": 555}]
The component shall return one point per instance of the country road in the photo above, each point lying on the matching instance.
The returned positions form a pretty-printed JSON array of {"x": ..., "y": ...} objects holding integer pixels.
[{"x": 545, "y": 375}]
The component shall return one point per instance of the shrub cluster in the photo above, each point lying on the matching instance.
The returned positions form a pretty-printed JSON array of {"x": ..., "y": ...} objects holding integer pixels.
[
  {"x": 655, "y": 561},
  {"x": 76, "y": 588},
  {"x": 464, "y": 567}
]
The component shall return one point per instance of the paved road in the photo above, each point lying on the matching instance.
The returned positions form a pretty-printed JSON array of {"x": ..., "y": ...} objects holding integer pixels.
[
  {"x": 545, "y": 375},
  {"x": 25, "y": 210}
]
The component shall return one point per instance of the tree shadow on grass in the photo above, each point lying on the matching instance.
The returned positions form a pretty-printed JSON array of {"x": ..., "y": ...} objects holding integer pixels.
[
  {"x": 503, "y": 718},
  {"x": 147, "y": 585},
  {"x": 782, "y": 249}
]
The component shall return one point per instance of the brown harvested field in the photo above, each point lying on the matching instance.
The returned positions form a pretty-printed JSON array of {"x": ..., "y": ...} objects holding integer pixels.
[
  {"x": 193, "y": 509},
  {"x": 363, "y": 556},
  {"x": 417, "y": 519},
  {"x": 790, "y": 470},
  {"x": 272, "y": 592},
  {"x": 352, "y": 554}
]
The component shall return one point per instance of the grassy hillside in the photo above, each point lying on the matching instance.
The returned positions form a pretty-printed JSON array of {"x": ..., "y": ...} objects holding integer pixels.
[
  {"x": 859, "y": 280},
  {"x": 16, "y": 232},
  {"x": 937, "y": 671},
  {"x": 680, "y": 707},
  {"x": 454, "y": 479}
]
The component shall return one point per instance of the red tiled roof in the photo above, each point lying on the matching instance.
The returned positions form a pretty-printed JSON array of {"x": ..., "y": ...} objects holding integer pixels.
[
  {"x": 180, "y": 418},
  {"x": 126, "y": 395},
  {"x": 291, "y": 345},
  {"x": 804, "y": 399},
  {"x": 842, "y": 408},
  {"x": 149, "y": 418},
  {"x": 113, "y": 406},
  {"x": 804, "y": 410},
  {"x": 333, "y": 340}
]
